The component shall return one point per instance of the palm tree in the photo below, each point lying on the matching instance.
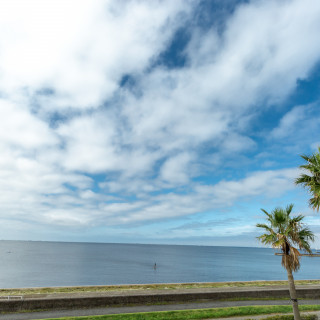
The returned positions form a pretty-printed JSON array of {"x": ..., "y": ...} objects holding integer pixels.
[
  {"x": 289, "y": 235},
  {"x": 311, "y": 181}
]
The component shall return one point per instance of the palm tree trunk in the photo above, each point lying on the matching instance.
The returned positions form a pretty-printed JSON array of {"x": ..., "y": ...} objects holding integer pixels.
[{"x": 293, "y": 295}]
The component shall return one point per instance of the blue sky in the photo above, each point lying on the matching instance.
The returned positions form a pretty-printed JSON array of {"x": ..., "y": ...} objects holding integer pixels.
[{"x": 155, "y": 121}]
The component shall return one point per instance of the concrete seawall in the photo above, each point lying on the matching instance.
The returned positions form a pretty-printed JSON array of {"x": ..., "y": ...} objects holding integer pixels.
[{"x": 89, "y": 300}]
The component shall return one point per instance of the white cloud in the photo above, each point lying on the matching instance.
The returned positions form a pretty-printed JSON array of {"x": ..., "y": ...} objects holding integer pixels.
[
  {"x": 176, "y": 169},
  {"x": 261, "y": 54},
  {"x": 88, "y": 144},
  {"x": 290, "y": 122},
  {"x": 236, "y": 143},
  {"x": 298, "y": 128},
  {"x": 81, "y": 50},
  {"x": 264, "y": 183},
  {"x": 158, "y": 135},
  {"x": 86, "y": 208},
  {"x": 20, "y": 129},
  {"x": 201, "y": 198}
]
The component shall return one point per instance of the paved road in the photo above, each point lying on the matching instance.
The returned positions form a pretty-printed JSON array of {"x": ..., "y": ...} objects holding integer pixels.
[{"x": 166, "y": 307}]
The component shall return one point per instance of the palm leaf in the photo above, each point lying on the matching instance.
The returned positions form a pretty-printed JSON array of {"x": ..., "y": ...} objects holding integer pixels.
[
  {"x": 311, "y": 181},
  {"x": 285, "y": 232}
]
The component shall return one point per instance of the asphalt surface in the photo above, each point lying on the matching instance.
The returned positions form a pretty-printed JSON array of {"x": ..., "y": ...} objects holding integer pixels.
[{"x": 148, "y": 308}]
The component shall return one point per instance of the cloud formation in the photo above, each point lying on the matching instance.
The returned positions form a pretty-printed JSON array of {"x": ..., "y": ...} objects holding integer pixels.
[{"x": 97, "y": 130}]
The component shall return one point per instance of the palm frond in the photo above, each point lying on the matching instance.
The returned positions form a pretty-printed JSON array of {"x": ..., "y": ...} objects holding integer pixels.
[
  {"x": 289, "y": 208},
  {"x": 285, "y": 232},
  {"x": 311, "y": 181},
  {"x": 305, "y": 157},
  {"x": 267, "y": 239},
  {"x": 315, "y": 203}
]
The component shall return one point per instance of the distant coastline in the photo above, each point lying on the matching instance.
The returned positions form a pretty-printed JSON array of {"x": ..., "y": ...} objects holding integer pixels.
[{"x": 138, "y": 243}]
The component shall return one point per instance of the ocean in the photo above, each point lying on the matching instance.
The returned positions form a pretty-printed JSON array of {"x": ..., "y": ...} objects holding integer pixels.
[{"x": 42, "y": 264}]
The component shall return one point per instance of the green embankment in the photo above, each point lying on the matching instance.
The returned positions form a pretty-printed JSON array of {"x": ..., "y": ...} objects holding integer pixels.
[
  {"x": 199, "y": 314},
  {"x": 6, "y": 292}
]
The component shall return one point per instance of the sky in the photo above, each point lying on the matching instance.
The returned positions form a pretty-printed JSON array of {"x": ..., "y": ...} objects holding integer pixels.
[{"x": 165, "y": 122}]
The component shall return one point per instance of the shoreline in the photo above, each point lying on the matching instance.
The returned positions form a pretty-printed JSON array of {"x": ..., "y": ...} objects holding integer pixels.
[{"x": 156, "y": 286}]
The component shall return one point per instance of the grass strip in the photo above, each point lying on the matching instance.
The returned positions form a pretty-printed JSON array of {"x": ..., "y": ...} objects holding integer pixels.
[
  {"x": 291, "y": 317},
  {"x": 197, "y": 314},
  {"x": 164, "y": 286}
]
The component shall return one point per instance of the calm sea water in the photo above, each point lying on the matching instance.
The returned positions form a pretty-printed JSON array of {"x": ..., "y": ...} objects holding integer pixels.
[{"x": 35, "y": 264}]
